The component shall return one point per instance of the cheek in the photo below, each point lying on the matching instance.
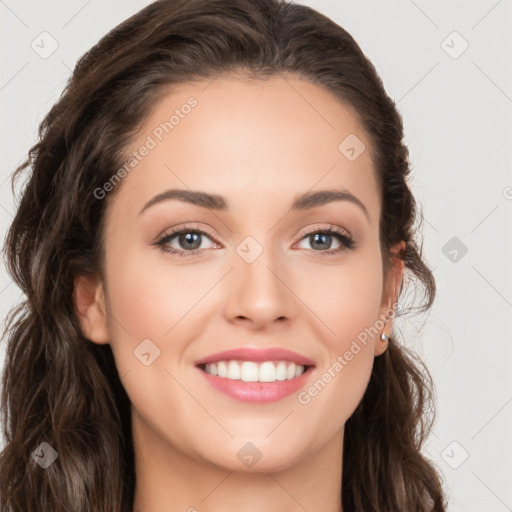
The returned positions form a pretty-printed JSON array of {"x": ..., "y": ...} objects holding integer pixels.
[
  {"x": 156, "y": 303},
  {"x": 150, "y": 299},
  {"x": 347, "y": 301},
  {"x": 339, "y": 388},
  {"x": 344, "y": 298}
]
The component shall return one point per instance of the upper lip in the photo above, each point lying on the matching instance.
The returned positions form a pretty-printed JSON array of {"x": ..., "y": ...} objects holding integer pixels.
[{"x": 257, "y": 355}]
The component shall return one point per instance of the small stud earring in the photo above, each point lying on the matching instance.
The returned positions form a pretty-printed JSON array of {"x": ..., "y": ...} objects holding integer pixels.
[{"x": 384, "y": 336}]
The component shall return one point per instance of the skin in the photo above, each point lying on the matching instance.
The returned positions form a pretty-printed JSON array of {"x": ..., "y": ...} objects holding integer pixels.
[{"x": 259, "y": 144}]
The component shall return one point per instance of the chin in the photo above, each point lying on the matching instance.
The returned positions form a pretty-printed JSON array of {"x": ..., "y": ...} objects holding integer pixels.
[{"x": 256, "y": 457}]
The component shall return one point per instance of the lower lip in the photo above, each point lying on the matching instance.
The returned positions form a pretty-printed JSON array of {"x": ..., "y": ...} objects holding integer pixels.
[{"x": 257, "y": 392}]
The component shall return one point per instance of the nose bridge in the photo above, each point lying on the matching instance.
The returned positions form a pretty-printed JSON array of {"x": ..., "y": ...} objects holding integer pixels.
[{"x": 258, "y": 289}]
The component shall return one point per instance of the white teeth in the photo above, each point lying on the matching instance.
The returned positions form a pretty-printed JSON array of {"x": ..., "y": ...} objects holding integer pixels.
[
  {"x": 233, "y": 371},
  {"x": 281, "y": 371},
  {"x": 222, "y": 369},
  {"x": 249, "y": 371},
  {"x": 267, "y": 372}
]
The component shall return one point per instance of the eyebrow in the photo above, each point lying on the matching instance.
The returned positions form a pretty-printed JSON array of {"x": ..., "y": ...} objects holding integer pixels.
[{"x": 306, "y": 201}]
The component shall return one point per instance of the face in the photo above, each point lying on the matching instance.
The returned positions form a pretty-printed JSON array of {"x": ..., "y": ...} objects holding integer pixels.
[{"x": 255, "y": 268}]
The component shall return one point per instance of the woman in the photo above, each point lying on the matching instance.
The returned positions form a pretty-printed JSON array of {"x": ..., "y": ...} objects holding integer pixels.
[{"x": 255, "y": 369}]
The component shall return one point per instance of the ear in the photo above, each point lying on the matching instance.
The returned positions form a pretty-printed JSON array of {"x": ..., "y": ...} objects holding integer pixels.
[
  {"x": 390, "y": 295},
  {"x": 89, "y": 303}
]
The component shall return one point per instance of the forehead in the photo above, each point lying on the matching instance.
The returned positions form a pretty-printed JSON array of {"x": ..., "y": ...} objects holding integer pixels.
[{"x": 252, "y": 141}]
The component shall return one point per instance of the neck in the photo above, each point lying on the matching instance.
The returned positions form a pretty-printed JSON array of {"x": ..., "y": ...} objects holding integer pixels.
[{"x": 170, "y": 480}]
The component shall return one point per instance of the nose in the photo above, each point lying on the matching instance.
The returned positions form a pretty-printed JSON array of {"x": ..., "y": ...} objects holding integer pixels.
[{"x": 258, "y": 293}]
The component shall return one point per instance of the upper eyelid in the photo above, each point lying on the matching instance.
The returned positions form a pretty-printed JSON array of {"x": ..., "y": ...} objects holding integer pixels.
[
  {"x": 305, "y": 232},
  {"x": 173, "y": 232},
  {"x": 325, "y": 227}
]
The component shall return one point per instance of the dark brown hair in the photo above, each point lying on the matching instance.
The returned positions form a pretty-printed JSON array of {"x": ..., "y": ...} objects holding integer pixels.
[{"x": 59, "y": 387}]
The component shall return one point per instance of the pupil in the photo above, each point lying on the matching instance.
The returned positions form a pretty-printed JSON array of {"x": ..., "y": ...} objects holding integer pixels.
[
  {"x": 317, "y": 236},
  {"x": 188, "y": 238}
]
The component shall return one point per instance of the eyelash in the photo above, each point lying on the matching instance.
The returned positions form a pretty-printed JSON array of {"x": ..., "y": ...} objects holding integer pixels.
[{"x": 345, "y": 240}]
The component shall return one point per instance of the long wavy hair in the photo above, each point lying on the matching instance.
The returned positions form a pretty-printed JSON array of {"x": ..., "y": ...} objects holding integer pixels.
[{"x": 59, "y": 387}]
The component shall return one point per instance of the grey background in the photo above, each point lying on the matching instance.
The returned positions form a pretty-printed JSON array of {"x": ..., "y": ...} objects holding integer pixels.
[{"x": 457, "y": 116}]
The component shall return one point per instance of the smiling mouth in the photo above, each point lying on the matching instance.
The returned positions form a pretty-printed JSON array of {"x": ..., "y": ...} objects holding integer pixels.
[{"x": 251, "y": 371}]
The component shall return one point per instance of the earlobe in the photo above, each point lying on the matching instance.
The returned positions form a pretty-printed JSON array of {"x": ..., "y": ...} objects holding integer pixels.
[
  {"x": 389, "y": 299},
  {"x": 89, "y": 304},
  {"x": 381, "y": 344}
]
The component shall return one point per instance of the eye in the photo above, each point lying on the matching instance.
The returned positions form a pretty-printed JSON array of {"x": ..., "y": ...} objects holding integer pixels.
[
  {"x": 189, "y": 241},
  {"x": 320, "y": 238}
]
